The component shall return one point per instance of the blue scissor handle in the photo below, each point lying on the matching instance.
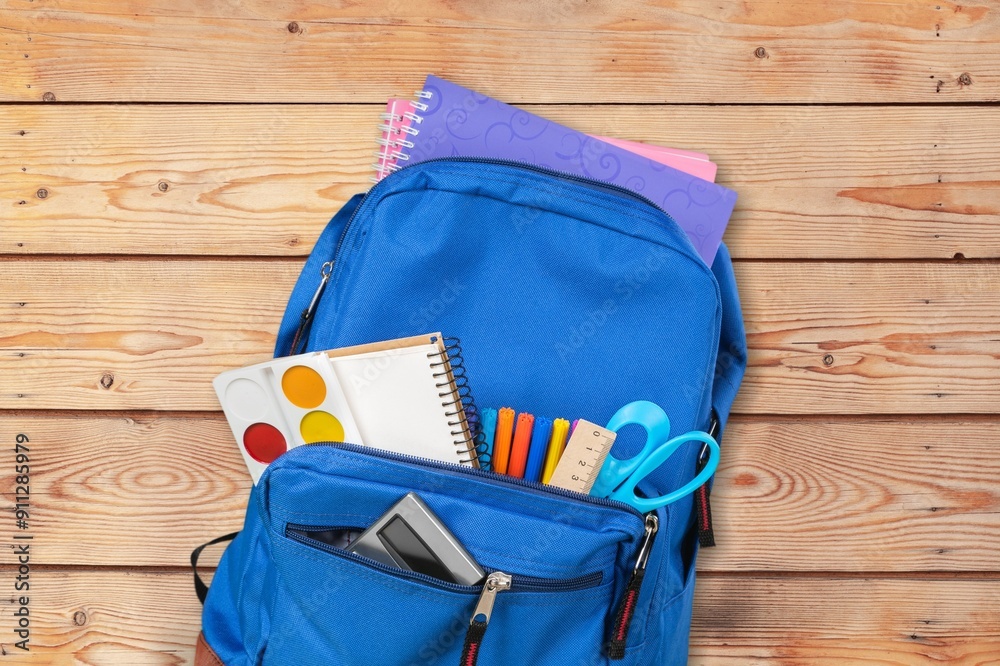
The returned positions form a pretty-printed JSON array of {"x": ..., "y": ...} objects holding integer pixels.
[
  {"x": 650, "y": 416},
  {"x": 626, "y": 492}
]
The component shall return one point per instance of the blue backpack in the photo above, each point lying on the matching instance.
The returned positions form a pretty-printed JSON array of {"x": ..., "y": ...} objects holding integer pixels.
[{"x": 570, "y": 296}]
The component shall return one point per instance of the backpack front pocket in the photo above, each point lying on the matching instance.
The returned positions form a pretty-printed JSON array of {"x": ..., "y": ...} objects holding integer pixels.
[
  {"x": 564, "y": 563},
  {"x": 364, "y": 612}
]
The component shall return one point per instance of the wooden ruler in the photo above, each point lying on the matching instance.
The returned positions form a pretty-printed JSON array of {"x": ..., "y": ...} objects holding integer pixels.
[{"x": 583, "y": 458}]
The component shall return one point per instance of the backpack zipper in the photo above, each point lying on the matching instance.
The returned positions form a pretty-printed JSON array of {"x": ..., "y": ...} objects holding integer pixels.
[
  {"x": 702, "y": 496},
  {"x": 534, "y": 486},
  {"x": 626, "y": 609},
  {"x": 305, "y": 321},
  {"x": 545, "y": 171},
  {"x": 496, "y": 582},
  {"x": 605, "y": 184},
  {"x": 297, "y": 532}
]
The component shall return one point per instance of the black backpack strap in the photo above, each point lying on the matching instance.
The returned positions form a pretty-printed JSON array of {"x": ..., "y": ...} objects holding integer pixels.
[{"x": 199, "y": 585}]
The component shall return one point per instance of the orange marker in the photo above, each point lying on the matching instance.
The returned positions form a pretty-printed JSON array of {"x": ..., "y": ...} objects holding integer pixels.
[
  {"x": 501, "y": 445},
  {"x": 522, "y": 443}
]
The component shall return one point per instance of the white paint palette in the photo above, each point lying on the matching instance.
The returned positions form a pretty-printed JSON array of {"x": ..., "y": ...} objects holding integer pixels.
[
  {"x": 275, "y": 406},
  {"x": 399, "y": 396}
]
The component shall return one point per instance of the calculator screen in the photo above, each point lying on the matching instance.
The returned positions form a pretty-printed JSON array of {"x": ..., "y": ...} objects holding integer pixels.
[{"x": 406, "y": 548}]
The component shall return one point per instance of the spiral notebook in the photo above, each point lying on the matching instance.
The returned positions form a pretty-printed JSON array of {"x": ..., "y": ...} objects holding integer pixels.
[
  {"x": 448, "y": 120},
  {"x": 399, "y": 114},
  {"x": 408, "y": 396}
]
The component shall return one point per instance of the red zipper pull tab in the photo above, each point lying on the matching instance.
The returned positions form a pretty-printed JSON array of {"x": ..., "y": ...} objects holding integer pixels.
[
  {"x": 702, "y": 503},
  {"x": 496, "y": 582},
  {"x": 626, "y": 610},
  {"x": 301, "y": 333}
]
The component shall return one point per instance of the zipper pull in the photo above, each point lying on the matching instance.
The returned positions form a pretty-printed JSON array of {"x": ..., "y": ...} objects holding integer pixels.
[
  {"x": 496, "y": 582},
  {"x": 702, "y": 504},
  {"x": 301, "y": 333},
  {"x": 626, "y": 611}
]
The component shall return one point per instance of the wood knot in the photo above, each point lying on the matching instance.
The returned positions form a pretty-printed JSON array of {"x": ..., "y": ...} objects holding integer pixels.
[
  {"x": 163, "y": 186},
  {"x": 49, "y": 97},
  {"x": 293, "y": 27},
  {"x": 42, "y": 193},
  {"x": 828, "y": 359},
  {"x": 761, "y": 52},
  {"x": 107, "y": 380},
  {"x": 79, "y": 618},
  {"x": 965, "y": 79}
]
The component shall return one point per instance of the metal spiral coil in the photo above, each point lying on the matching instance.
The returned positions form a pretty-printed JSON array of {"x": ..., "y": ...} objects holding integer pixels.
[
  {"x": 394, "y": 136},
  {"x": 463, "y": 416}
]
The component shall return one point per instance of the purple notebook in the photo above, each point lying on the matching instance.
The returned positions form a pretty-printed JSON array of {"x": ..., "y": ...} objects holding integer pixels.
[{"x": 458, "y": 122}]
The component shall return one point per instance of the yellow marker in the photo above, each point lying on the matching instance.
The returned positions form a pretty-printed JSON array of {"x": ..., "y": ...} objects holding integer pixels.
[
  {"x": 560, "y": 432},
  {"x": 583, "y": 458}
]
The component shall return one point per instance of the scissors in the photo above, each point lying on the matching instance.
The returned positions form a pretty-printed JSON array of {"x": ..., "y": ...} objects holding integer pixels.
[{"x": 618, "y": 478}]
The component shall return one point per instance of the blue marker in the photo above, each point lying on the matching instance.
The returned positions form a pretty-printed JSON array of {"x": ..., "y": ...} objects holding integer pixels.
[
  {"x": 539, "y": 445},
  {"x": 489, "y": 417}
]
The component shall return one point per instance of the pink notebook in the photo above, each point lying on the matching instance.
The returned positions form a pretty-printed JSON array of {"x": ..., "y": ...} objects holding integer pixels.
[
  {"x": 696, "y": 164},
  {"x": 397, "y": 118}
]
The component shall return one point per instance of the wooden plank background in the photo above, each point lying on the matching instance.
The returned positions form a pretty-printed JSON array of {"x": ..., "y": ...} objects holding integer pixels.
[{"x": 166, "y": 166}]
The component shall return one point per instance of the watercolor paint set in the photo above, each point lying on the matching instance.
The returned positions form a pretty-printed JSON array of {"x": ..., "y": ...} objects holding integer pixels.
[
  {"x": 275, "y": 406},
  {"x": 389, "y": 395}
]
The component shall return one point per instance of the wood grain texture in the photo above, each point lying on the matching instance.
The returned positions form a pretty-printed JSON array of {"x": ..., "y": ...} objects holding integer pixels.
[
  {"x": 813, "y": 182},
  {"x": 123, "y": 334},
  {"x": 790, "y": 495},
  {"x": 833, "y": 621},
  {"x": 857, "y": 495},
  {"x": 870, "y": 338},
  {"x": 632, "y": 51},
  {"x": 824, "y": 337},
  {"x": 117, "y": 618}
]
